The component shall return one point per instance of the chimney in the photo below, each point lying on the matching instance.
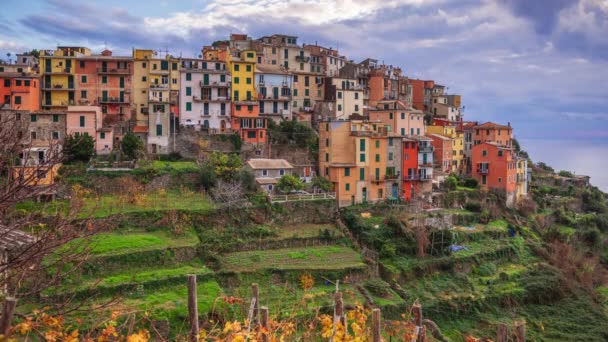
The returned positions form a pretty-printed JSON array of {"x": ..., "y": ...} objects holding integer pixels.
[{"x": 509, "y": 123}]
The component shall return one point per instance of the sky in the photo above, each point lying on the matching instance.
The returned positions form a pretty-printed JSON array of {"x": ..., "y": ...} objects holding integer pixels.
[{"x": 540, "y": 64}]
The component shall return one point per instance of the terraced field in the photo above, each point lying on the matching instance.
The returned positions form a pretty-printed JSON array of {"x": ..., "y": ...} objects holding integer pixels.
[{"x": 312, "y": 258}]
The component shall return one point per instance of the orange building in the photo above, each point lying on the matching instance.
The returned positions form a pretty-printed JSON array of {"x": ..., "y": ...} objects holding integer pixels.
[
  {"x": 402, "y": 120},
  {"x": 355, "y": 156},
  {"x": 422, "y": 92},
  {"x": 105, "y": 80},
  {"x": 492, "y": 132},
  {"x": 442, "y": 152},
  {"x": 246, "y": 120},
  {"x": 20, "y": 91},
  {"x": 495, "y": 167}
]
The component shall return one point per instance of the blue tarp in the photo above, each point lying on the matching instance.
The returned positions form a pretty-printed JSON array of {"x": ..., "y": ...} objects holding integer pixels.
[{"x": 456, "y": 248}]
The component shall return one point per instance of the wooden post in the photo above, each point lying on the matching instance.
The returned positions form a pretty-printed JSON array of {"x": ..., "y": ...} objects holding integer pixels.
[
  {"x": 376, "y": 325},
  {"x": 520, "y": 331},
  {"x": 256, "y": 296},
  {"x": 503, "y": 333},
  {"x": 417, "y": 311},
  {"x": 7, "y": 315},
  {"x": 193, "y": 307},
  {"x": 340, "y": 317},
  {"x": 264, "y": 314}
]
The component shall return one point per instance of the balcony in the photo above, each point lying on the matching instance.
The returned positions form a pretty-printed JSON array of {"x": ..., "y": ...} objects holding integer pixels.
[
  {"x": 426, "y": 149},
  {"x": 483, "y": 171},
  {"x": 425, "y": 177},
  {"x": 112, "y": 100},
  {"x": 48, "y": 86},
  {"x": 160, "y": 72},
  {"x": 392, "y": 176},
  {"x": 410, "y": 177},
  {"x": 215, "y": 84},
  {"x": 64, "y": 71},
  {"x": 159, "y": 86},
  {"x": 303, "y": 59},
  {"x": 114, "y": 71}
]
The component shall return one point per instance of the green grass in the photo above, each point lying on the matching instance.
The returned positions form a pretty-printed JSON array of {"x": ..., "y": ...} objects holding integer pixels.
[
  {"x": 105, "y": 244},
  {"x": 302, "y": 231},
  {"x": 108, "y": 205},
  {"x": 143, "y": 276},
  {"x": 501, "y": 224},
  {"x": 312, "y": 258},
  {"x": 189, "y": 166}
]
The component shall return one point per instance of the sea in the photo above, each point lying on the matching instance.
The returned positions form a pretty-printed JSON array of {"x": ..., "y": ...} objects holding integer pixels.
[{"x": 583, "y": 157}]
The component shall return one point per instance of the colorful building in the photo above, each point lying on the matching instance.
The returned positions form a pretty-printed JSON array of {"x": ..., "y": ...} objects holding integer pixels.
[
  {"x": 156, "y": 97},
  {"x": 442, "y": 152},
  {"x": 88, "y": 120},
  {"x": 43, "y": 128},
  {"x": 492, "y": 132},
  {"x": 345, "y": 97},
  {"x": 58, "y": 70},
  {"x": 274, "y": 92},
  {"x": 245, "y": 107},
  {"x": 19, "y": 90},
  {"x": 105, "y": 80},
  {"x": 205, "y": 95},
  {"x": 458, "y": 160},
  {"x": 523, "y": 178},
  {"x": 355, "y": 156},
  {"x": 402, "y": 120},
  {"x": 495, "y": 167}
]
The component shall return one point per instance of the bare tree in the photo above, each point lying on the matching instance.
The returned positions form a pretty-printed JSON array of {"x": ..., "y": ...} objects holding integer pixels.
[
  {"x": 228, "y": 193},
  {"x": 31, "y": 242}
]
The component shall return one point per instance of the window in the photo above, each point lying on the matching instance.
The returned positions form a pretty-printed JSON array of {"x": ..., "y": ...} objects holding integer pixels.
[
  {"x": 188, "y": 106},
  {"x": 306, "y": 92},
  {"x": 403, "y": 131},
  {"x": 339, "y": 94},
  {"x": 7, "y": 83},
  {"x": 248, "y": 68},
  {"x": 159, "y": 130},
  {"x": 500, "y": 153},
  {"x": 83, "y": 94},
  {"x": 144, "y": 79},
  {"x": 236, "y": 80},
  {"x": 174, "y": 80},
  {"x": 347, "y": 172},
  {"x": 144, "y": 65},
  {"x": 361, "y": 174},
  {"x": 174, "y": 66},
  {"x": 484, "y": 153},
  {"x": 281, "y": 172},
  {"x": 390, "y": 141},
  {"x": 249, "y": 54},
  {"x": 82, "y": 121},
  {"x": 82, "y": 64},
  {"x": 104, "y": 79},
  {"x": 102, "y": 135},
  {"x": 83, "y": 79},
  {"x": 362, "y": 157},
  {"x": 17, "y": 100},
  {"x": 362, "y": 145},
  {"x": 26, "y": 83},
  {"x": 347, "y": 187},
  {"x": 264, "y": 172},
  {"x": 55, "y": 135},
  {"x": 377, "y": 158},
  {"x": 55, "y": 118},
  {"x": 236, "y": 67},
  {"x": 499, "y": 179},
  {"x": 33, "y": 118},
  {"x": 377, "y": 143},
  {"x": 188, "y": 77},
  {"x": 18, "y": 83},
  {"x": 390, "y": 116},
  {"x": 339, "y": 108},
  {"x": 390, "y": 156},
  {"x": 33, "y": 135},
  {"x": 356, "y": 96},
  {"x": 326, "y": 157},
  {"x": 295, "y": 93},
  {"x": 248, "y": 80},
  {"x": 188, "y": 91}
]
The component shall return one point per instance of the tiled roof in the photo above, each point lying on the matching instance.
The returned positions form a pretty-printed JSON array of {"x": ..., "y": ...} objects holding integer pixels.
[
  {"x": 260, "y": 163},
  {"x": 492, "y": 125},
  {"x": 140, "y": 129}
]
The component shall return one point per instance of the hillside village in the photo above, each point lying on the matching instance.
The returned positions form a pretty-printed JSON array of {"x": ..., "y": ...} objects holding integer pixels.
[{"x": 287, "y": 173}]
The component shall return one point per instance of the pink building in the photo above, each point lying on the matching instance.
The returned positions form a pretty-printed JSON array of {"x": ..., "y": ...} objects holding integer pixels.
[
  {"x": 403, "y": 121},
  {"x": 88, "y": 120}
]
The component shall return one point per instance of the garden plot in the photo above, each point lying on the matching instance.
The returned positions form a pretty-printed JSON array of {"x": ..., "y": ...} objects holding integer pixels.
[{"x": 312, "y": 258}]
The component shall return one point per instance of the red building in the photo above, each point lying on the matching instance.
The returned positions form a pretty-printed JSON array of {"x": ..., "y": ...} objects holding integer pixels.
[
  {"x": 443, "y": 152},
  {"x": 246, "y": 120},
  {"x": 492, "y": 132},
  {"x": 422, "y": 92},
  {"x": 494, "y": 166},
  {"x": 410, "y": 169},
  {"x": 19, "y": 91}
]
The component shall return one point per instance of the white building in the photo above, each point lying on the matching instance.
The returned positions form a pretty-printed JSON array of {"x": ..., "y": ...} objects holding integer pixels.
[
  {"x": 274, "y": 88},
  {"x": 348, "y": 96},
  {"x": 269, "y": 171},
  {"x": 205, "y": 95}
]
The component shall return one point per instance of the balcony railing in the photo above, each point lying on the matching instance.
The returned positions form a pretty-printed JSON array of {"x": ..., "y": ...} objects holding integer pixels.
[
  {"x": 159, "y": 86},
  {"x": 410, "y": 177},
  {"x": 112, "y": 100},
  {"x": 426, "y": 149},
  {"x": 116, "y": 71},
  {"x": 215, "y": 84},
  {"x": 426, "y": 177},
  {"x": 483, "y": 171},
  {"x": 303, "y": 59}
]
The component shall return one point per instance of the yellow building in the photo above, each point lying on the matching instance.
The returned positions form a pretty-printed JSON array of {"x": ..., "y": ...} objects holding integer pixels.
[
  {"x": 155, "y": 96},
  {"x": 57, "y": 68},
  {"x": 458, "y": 160},
  {"x": 522, "y": 178},
  {"x": 242, "y": 68},
  {"x": 354, "y": 156}
]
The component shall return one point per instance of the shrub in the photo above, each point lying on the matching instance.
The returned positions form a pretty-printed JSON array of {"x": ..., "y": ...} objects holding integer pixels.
[
  {"x": 544, "y": 284},
  {"x": 388, "y": 250},
  {"x": 486, "y": 269},
  {"x": 322, "y": 183},
  {"x": 289, "y": 183},
  {"x": 79, "y": 148},
  {"x": 171, "y": 157},
  {"x": 601, "y": 221},
  {"x": 470, "y": 183},
  {"x": 131, "y": 146},
  {"x": 451, "y": 182},
  {"x": 473, "y": 206},
  {"x": 565, "y": 173}
]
